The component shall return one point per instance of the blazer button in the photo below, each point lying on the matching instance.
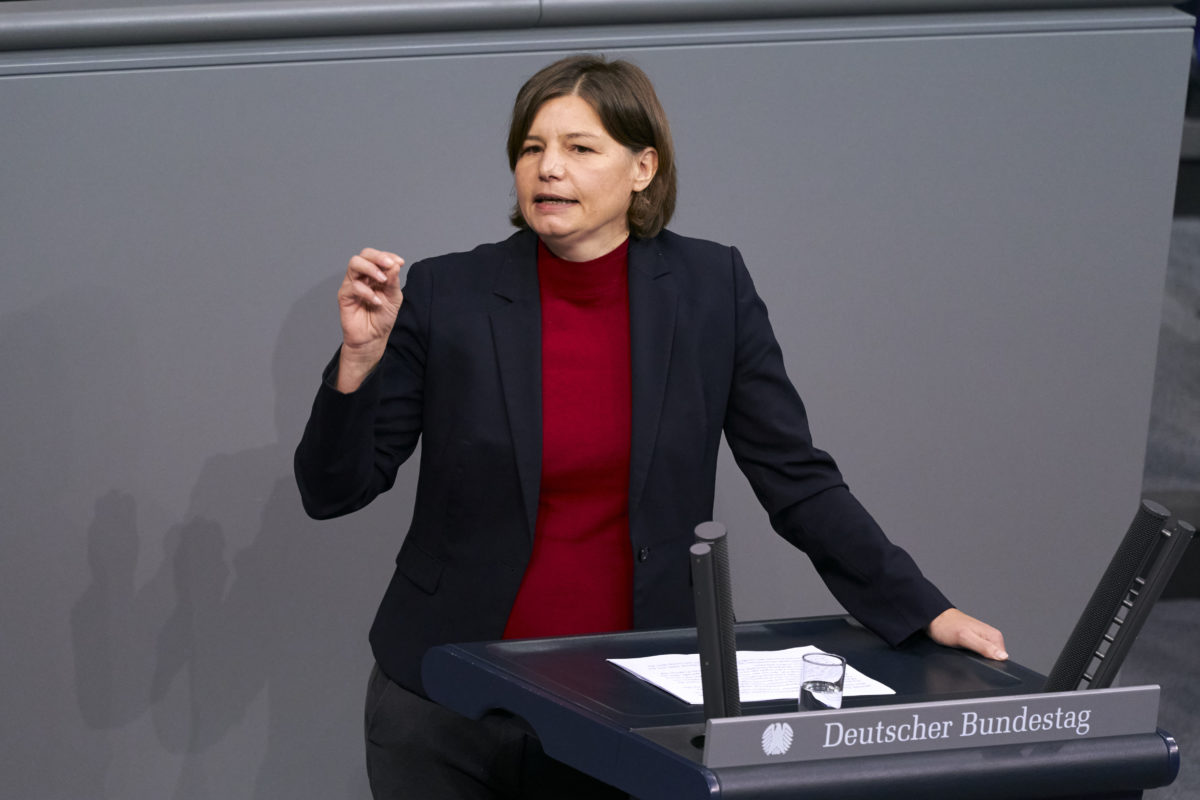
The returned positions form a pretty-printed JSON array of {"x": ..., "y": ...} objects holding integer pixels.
[{"x": 643, "y": 554}]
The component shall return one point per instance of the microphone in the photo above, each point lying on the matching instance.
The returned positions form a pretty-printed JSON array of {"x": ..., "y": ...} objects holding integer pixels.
[{"x": 713, "y": 598}]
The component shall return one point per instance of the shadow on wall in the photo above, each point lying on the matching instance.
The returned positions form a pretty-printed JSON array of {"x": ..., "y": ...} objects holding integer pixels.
[
  {"x": 67, "y": 360},
  {"x": 211, "y": 639}
]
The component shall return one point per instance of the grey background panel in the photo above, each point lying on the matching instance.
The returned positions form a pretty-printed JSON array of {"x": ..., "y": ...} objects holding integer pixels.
[
  {"x": 962, "y": 240},
  {"x": 30, "y": 24},
  {"x": 53, "y": 23},
  {"x": 597, "y": 37},
  {"x": 591, "y": 12}
]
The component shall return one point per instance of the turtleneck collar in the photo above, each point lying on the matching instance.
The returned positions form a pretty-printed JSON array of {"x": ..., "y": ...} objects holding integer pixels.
[{"x": 584, "y": 280}]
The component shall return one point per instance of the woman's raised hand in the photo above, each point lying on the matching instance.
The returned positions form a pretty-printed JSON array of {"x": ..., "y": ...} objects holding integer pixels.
[{"x": 368, "y": 300}]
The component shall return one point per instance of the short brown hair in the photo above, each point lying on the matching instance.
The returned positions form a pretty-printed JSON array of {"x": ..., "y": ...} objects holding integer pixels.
[{"x": 624, "y": 99}]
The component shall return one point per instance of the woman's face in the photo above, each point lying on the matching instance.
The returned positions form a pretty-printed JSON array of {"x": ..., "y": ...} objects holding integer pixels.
[{"x": 574, "y": 182}]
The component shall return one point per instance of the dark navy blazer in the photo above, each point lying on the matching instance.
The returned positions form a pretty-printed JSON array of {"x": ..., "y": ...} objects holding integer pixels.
[{"x": 462, "y": 373}]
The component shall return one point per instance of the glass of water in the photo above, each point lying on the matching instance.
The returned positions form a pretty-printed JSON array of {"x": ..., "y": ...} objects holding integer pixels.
[{"x": 822, "y": 677}]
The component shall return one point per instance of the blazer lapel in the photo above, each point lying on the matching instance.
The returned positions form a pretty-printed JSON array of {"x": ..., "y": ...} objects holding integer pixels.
[
  {"x": 653, "y": 297},
  {"x": 517, "y": 336}
]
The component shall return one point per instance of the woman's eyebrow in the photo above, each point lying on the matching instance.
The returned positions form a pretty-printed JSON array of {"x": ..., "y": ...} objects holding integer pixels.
[{"x": 575, "y": 135}]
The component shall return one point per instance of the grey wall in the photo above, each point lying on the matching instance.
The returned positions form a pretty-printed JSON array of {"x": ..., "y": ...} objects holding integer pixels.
[
  {"x": 960, "y": 224},
  {"x": 32, "y": 24}
]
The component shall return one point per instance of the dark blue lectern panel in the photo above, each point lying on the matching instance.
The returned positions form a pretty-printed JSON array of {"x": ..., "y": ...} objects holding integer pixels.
[{"x": 602, "y": 720}]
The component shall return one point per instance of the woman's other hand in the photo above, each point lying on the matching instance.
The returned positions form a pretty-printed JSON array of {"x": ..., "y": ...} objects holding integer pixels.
[
  {"x": 953, "y": 628},
  {"x": 368, "y": 300}
]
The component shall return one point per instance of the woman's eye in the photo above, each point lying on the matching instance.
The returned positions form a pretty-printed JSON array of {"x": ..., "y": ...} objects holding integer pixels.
[
  {"x": 530, "y": 148},
  {"x": 582, "y": 149}
]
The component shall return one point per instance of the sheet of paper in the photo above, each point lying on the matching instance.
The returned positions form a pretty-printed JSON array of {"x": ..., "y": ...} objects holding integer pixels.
[{"x": 762, "y": 675}]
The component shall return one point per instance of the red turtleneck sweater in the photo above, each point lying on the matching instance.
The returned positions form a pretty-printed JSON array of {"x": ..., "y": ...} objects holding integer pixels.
[{"x": 580, "y": 577}]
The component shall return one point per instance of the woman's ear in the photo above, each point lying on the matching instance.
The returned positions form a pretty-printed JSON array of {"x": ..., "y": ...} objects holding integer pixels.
[{"x": 645, "y": 168}]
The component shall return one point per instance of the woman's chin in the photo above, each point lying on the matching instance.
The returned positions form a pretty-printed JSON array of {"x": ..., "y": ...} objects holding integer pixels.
[{"x": 552, "y": 234}]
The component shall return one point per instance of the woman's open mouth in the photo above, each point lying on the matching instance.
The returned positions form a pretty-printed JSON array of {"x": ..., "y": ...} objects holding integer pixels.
[{"x": 551, "y": 199}]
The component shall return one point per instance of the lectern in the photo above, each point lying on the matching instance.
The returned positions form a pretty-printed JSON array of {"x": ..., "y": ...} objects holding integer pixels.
[{"x": 604, "y": 721}]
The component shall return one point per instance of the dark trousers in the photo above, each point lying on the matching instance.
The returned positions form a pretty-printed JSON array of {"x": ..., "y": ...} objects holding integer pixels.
[{"x": 417, "y": 749}]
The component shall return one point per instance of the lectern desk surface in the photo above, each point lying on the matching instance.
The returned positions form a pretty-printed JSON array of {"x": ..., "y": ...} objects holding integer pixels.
[{"x": 599, "y": 718}]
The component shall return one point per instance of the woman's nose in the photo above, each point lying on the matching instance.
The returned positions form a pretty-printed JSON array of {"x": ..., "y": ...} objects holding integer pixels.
[{"x": 551, "y": 164}]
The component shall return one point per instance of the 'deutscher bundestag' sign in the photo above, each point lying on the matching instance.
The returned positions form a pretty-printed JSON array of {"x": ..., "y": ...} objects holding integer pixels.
[{"x": 916, "y": 727}]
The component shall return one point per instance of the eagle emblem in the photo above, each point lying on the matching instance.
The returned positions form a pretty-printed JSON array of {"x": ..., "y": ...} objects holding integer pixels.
[{"x": 777, "y": 738}]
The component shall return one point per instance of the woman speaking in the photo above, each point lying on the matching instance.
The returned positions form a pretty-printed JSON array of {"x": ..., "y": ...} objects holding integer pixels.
[{"x": 570, "y": 386}]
